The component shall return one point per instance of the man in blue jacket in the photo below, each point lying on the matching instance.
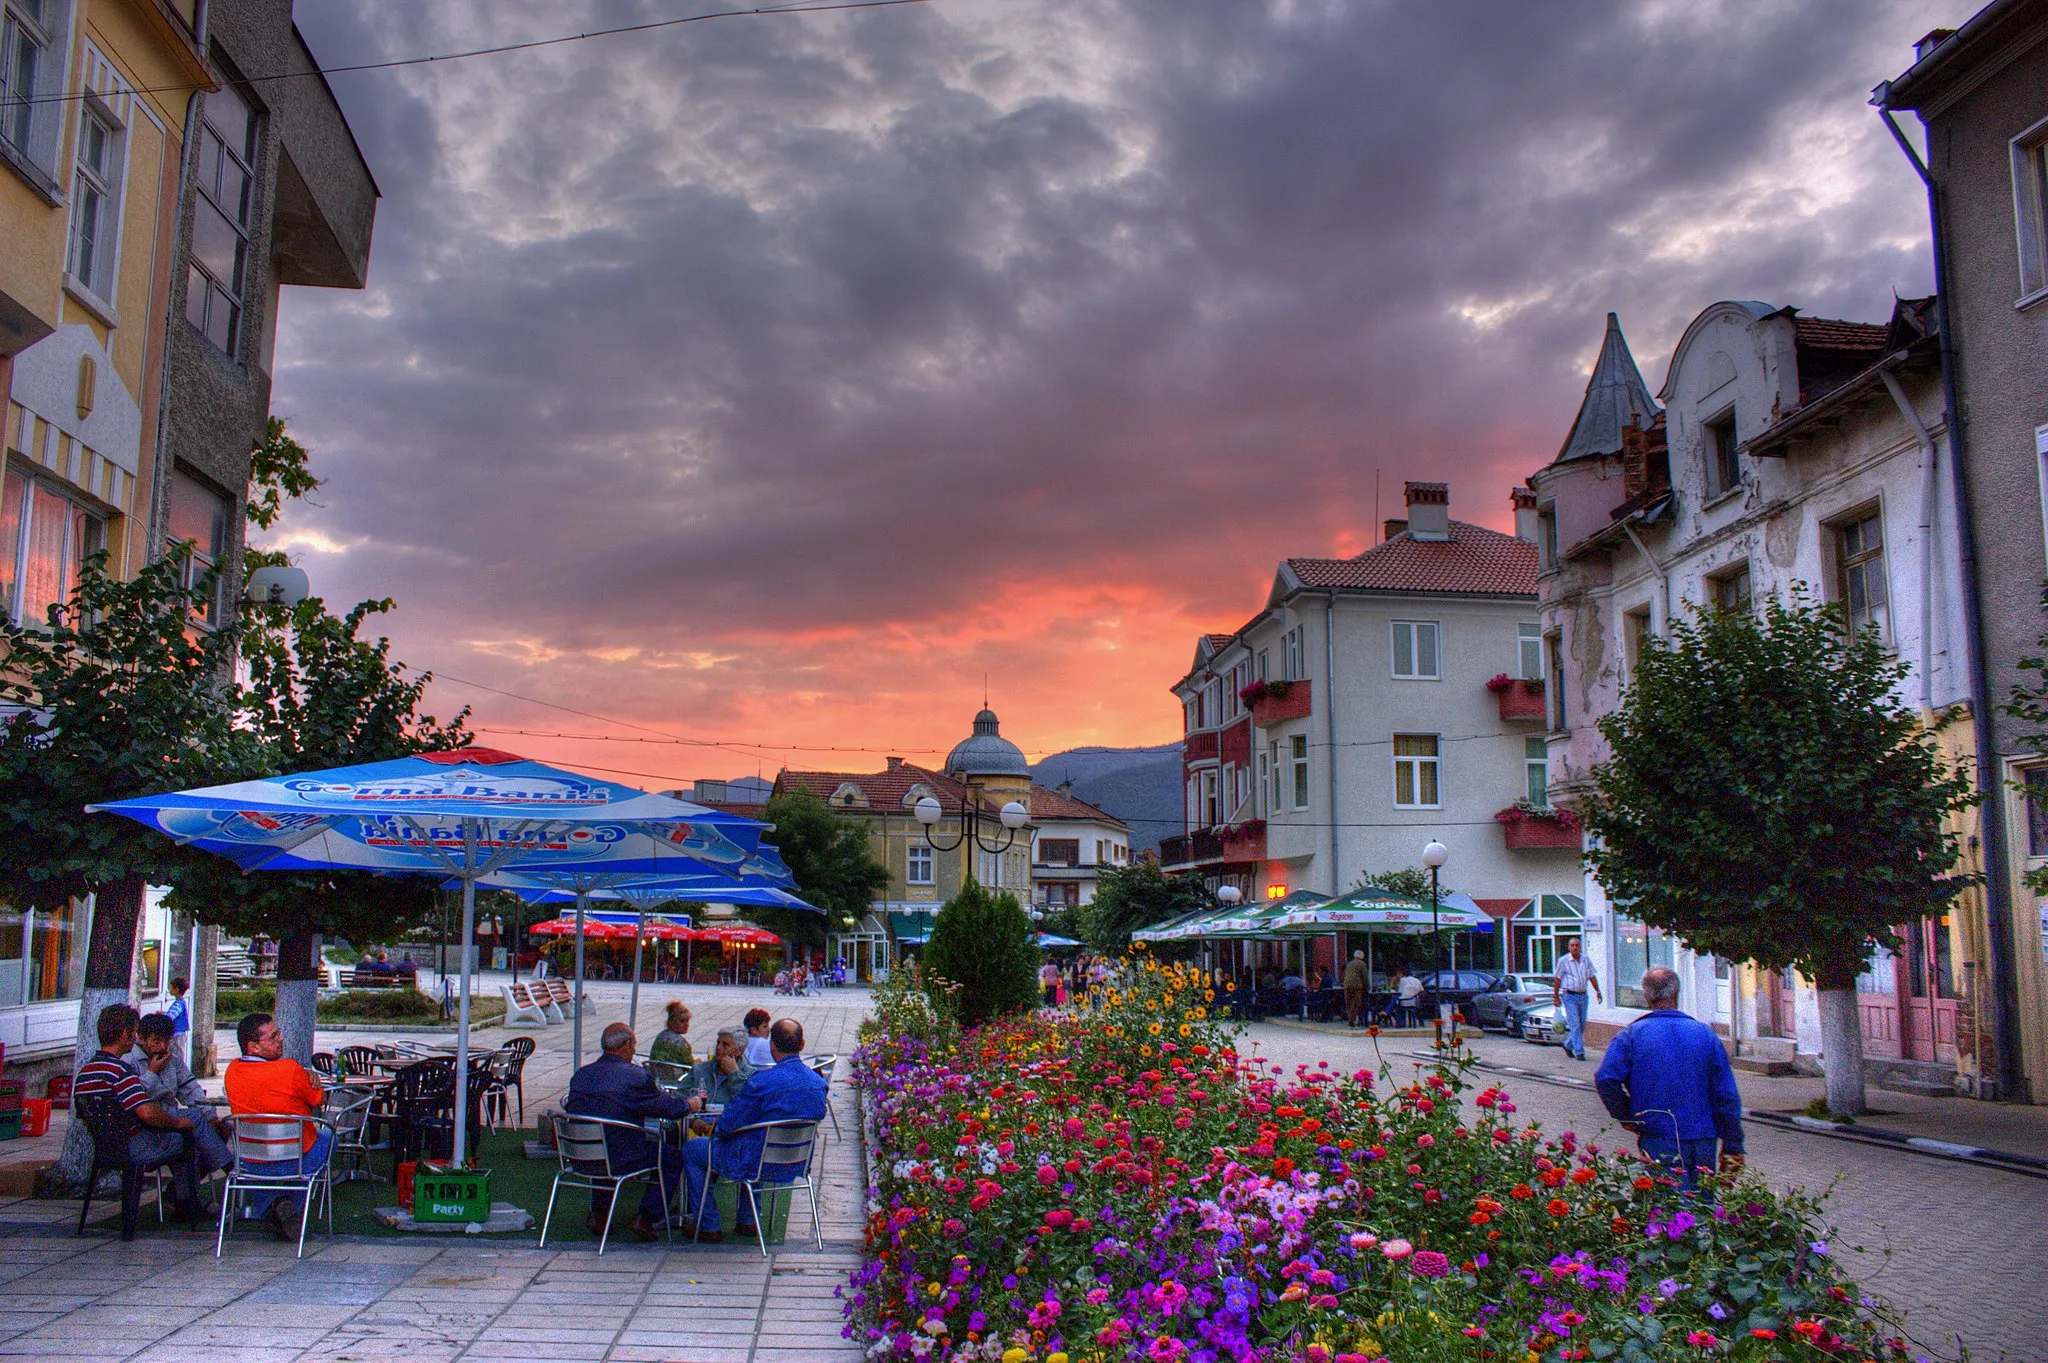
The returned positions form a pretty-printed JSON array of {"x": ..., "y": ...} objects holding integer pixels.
[
  {"x": 1666, "y": 1077},
  {"x": 615, "y": 1088},
  {"x": 786, "y": 1091}
]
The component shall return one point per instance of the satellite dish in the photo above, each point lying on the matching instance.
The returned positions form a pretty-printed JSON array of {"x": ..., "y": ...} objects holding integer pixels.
[{"x": 277, "y": 586}]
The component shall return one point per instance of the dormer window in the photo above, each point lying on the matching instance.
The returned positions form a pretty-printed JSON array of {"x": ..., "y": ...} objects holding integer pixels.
[
  {"x": 1724, "y": 466},
  {"x": 848, "y": 796}
]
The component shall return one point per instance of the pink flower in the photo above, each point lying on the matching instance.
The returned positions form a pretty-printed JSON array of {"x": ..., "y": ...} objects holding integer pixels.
[
  {"x": 1073, "y": 1128},
  {"x": 1425, "y": 1140},
  {"x": 1048, "y": 1175},
  {"x": 953, "y": 1229},
  {"x": 1429, "y": 1264},
  {"x": 1397, "y": 1249},
  {"x": 1363, "y": 1240}
]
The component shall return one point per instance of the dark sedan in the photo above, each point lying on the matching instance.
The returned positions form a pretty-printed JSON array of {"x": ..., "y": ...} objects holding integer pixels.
[
  {"x": 1493, "y": 1006},
  {"x": 1458, "y": 987}
]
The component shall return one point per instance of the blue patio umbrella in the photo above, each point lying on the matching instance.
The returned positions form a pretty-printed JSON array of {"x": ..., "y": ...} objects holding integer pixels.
[
  {"x": 465, "y": 814},
  {"x": 1052, "y": 939}
]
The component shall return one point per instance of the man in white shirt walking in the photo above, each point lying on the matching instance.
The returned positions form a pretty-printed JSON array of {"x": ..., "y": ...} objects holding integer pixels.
[{"x": 1575, "y": 974}]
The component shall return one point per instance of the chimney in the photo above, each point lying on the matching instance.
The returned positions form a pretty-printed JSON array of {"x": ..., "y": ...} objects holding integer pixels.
[
  {"x": 895, "y": 764},
  {"x": 1429, "y": 511},
  {"x": 1935, "y": 38},
  {"x": 1391, "y": 527},
  {"x": 1524, "y": 499},
  {"x": 1066, "y": 788}
]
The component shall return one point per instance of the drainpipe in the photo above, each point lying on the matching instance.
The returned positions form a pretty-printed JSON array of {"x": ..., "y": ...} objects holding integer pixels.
[
  {"x": 1927, "y": 489},
  {"x": 1997, "y": 883},
  {"x": 1663, "y": 575},
  {"x": 1330, "y": 733}
]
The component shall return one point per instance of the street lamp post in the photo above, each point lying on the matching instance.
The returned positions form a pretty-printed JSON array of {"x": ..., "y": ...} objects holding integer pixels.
[
  {"x": 1228, "y": 896},
  {"x": 1012, "y": 816},
  {"x": 1434, "y": 855}
]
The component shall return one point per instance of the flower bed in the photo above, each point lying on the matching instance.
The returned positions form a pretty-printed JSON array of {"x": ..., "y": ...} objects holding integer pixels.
[{"x": 1118, "y": 1183}]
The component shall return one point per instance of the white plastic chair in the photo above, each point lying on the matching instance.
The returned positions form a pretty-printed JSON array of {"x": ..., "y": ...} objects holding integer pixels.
[
  {"x": 783, "y": 1145},
  {"x": 586, "y": 1162},
  {"x": 275, "y": 1138}
]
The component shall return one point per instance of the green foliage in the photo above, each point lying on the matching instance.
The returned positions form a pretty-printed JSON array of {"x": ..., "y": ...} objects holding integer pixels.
[
  {"x": 910, "y": 1005},
  {"x": 829, "y": 857},
  {"x": 2028, "y": 704},
  {"x": 1128, "y": 898},
  {"x": 232, "y": 1005},
  {"x": 122, "y": 697},
  {"x": 351, "y": 1005},
  {"x": 1409, "y": 881},
  {"x": 982, "y": 943},
  {"x": 1769, "y": 799},
  {"x": 279, "y": 471}
]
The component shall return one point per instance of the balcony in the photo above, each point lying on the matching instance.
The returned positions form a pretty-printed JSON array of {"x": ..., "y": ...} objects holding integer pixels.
[
  {"x": 1528, "y": 828},
  {"x": 1210, "y": 846},
  {"x": 1277, "y": 702},
  {"x": 1521, "y": 702}
]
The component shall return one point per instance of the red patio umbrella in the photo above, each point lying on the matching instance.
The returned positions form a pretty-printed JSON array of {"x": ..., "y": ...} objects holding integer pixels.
[
  {"x": 593, "y": 929},
  {"x": 737, "y": 934}
]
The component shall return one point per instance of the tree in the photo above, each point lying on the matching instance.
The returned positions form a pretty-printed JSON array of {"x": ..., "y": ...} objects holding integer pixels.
[
  {"x": 833, "y": 867},
  {"x": 320, "y": 696},
  {"x": 120, "y": 696},
  {"x": 1136, "y": 896},
  {"x": 982, "y": 943},
  {"x": 1769, "y": 800}
]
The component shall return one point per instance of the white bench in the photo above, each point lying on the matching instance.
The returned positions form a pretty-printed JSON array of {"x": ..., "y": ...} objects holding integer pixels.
[
  {"x": 560, "y": 995},
  {"x": 520, "y": 1004}
]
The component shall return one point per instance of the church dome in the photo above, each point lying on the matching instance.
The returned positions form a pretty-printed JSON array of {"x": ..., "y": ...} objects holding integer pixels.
[{"x": 986, "y": 752}]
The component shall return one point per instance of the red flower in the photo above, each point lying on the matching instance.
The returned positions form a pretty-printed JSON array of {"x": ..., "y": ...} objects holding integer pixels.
[
  {"x": 1557, "y": 1206},
  {"x": 1522, "y": 1191}
]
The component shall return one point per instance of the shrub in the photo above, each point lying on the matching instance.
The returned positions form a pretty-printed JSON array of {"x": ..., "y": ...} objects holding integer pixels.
[
  {"x": 230, "y": 1005},
  {"x": 982, "y": 943}
]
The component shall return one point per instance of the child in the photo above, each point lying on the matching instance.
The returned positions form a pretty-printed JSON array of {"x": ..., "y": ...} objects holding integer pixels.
[{"x": 181, "y": 1018}]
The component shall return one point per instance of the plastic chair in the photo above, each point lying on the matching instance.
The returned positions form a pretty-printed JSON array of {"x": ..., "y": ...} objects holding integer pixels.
[
  {"x": 585, "y": 1161},
  {"x": 422, "y": 1106},
  {"x": 110, "y": 1125},
  {"x": 520, "y": 1048},
  {"x": 784, "y": 1145},
  {"x": 275, "y": 1138},
  {"x": 824, "y": 1067},
  {"x": 326, "y": 1065},
  {"x": 360, "y": 1059}
]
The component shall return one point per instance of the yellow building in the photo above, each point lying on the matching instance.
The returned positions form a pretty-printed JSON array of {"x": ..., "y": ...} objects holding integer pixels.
[{"x": 93, "y": 103}]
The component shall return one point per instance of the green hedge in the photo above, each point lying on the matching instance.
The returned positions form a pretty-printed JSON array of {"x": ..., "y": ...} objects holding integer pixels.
[{"x": 407, "y": 1006}]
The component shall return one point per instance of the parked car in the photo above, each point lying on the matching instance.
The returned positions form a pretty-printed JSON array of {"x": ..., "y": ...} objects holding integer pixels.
[
  {"x": 1458, "y": 987},
  {"x": 1542, "y": 1022},
  {"x": 1492, "y": 1006}
]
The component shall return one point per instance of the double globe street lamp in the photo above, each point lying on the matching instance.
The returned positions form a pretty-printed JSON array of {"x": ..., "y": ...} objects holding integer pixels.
[{"x": 1012, "y": 817}]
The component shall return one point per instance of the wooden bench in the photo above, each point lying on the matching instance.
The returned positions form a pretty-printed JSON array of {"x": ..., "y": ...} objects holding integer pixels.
[
  {"x": 520, "y": 1002},
  {"x": 561, "y": 995},
  {"x": 359, "y": 978}
]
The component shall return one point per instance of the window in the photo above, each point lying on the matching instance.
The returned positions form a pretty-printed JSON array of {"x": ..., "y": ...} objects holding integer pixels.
[
  {"x": 1536, "y": 760},
  {"x": 1415, "y": 650},
  {"x": 1293, "y": 660},
  {"x": 1636, "y": 949},
  {"x": 1553, "y": 688},
  {"x": 1724, "y": 468},
  {"x": 1060, "y": 851},
  {"x": 920, "y": 864},
  {"x": 1635, "y": 632},
  {"x": 1262, "y": 672},
  {"x": 1269, "y": 789},
  {"x": 1546, "y": 536},
  {"x": 1211, "y": 798},
  {"x": 2037, "y": 812},
  {"x": 221, "y": 216},
  {"x": 1415, "y": 771},
  {"x": 1859, "y": 574},
  {"x": 45, "y": 539},
  {"x": 1529, "y": 651},
  {"x": 95, "y": 204},
  {"x": 31, "y": 73},
  {"x": 2030, "y": 206},
  {"x": 199, "y": 517},
  {"x": 1297, "y": 759},
  {"x": 1729, "y": 591}
]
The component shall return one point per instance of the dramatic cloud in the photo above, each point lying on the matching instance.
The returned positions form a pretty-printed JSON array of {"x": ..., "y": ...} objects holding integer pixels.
[{"x": 777, "y": 379}]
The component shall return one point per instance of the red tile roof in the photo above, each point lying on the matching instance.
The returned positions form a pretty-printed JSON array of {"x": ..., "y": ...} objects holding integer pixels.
[
  {"x": 1828, "y": 333},
  {"x": 1218, "y": 640},
  {"x": 1474, "y": 561},
  {"x": 1053, "y": 804},
  {"x": 884, "y": 791}
]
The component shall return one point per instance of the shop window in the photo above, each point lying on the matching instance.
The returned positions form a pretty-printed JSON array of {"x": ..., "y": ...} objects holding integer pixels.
[
  {"x": 1637, "y": 947},
  {"x": 56, "y": 966}
]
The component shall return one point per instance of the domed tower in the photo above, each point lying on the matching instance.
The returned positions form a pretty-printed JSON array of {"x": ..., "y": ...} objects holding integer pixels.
[{"x": 989, "y": 762}]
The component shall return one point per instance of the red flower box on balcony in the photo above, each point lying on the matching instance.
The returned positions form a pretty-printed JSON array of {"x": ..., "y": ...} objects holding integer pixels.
[
  {"x": 1278, "y": 702},
  {"x": 1529, "y": 829},
  {"x": 1519, "y": 700}
]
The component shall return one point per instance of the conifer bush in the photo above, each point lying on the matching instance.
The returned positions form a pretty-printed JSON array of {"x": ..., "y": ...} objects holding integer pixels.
[{"x": 981, "y": 943}]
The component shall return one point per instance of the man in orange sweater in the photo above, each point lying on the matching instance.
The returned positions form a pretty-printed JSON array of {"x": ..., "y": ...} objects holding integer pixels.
[{"x": 264, "y": 1081}]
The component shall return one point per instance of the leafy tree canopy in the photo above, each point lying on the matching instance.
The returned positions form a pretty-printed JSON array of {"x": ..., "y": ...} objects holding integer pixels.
[
  {"x": 833, "y": 867},
  {"x": 1769, "y": 799},
  {"x": 981, "y": 942},
  {"x": 1136, "y": 896},
  {"x": 1409, "y": 881}
]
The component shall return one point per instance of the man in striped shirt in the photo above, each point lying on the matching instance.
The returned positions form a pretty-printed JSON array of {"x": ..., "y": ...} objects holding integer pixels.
[{"x": 161, "y": 1137}]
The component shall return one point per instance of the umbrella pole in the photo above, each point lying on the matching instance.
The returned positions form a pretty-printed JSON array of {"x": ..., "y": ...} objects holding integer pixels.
[
  {"x": 462, "y": 1011},
  {"x": 633, "y": 1009},
  {"x": 576, "y": 1032}
]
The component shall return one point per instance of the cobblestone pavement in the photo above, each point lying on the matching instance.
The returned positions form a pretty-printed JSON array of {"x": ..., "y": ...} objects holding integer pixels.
[
  {"x": 166, "y": 1299},
  {"x": 1958, "y": 1248}
]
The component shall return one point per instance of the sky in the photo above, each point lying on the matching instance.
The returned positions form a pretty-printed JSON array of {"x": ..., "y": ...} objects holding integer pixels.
[{"x": 766, "y": 391}]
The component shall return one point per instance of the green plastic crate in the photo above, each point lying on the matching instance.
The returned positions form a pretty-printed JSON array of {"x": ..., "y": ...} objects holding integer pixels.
[
  {"x": 10, "y": 1124},
  {"x": 451, "y": 1194}
]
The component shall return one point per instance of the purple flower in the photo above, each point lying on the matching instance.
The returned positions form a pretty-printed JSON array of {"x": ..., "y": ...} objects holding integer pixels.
[
  {"x": 1718, "y": 1311},
  {"x": 1668, "y": 1288},
  {"x": 1427, "y": 1263},
  {"x": 1819, "y": 1247}
]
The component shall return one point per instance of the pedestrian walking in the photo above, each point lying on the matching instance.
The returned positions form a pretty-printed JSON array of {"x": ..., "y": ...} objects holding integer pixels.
[
  {"x": 1357, "y": 979},
  {"x": 1574, "y": 975},
  {"x": 1049, "y": 984},
  {"x": 1666, "y": 1077}
]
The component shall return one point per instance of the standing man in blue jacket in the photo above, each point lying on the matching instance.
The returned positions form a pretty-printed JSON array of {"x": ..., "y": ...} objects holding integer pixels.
[
  {"x": 786, "y": 1091},
  {"x": 1666, "y": 1077}
]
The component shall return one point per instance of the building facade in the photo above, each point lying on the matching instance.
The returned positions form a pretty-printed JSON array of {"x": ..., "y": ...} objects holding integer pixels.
[
  {"x": 1783, "y": 455},
  {"x": 1378, "y": 702},
  {"x": 1072, "y": 843}
]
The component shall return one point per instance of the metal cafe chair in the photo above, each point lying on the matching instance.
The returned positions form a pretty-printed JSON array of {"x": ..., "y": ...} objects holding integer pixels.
[
  {"x": 585, "y": 1161},
  {"x": 784, "y": 1145},
  {"x": 351, "y": 1110},
  {"x": 275, "y": 1138},
  {"x": 669, "y": 1075},
  {"x": 824, "y": 1066}
]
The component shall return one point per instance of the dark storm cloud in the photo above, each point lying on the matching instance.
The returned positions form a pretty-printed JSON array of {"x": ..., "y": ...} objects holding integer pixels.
[{"x": 782, "y": 326}]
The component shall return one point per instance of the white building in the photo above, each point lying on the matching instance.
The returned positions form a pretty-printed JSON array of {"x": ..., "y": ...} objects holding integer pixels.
[
  {"x": 1377, "y": 702},
  {"x": 1789, "y": 452}
]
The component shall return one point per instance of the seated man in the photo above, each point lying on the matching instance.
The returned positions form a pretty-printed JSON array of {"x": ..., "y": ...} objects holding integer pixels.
[
  {"x": 720, "y": 1079},
  {"x": 161, "y": 1139},
  {"x": 264, "y": 1082},
  {"x": 168, "y": 1081},
  {"x": 787, "y": 1091},
  {"x": 616, "y": 1089}
]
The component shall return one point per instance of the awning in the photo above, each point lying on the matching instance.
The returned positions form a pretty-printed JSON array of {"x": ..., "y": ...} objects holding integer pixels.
[{"x": 911, "y": 929}]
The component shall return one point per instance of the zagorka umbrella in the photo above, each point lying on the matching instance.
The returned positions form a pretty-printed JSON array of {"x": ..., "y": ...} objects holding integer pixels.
[{"x": 465, "y": 814}]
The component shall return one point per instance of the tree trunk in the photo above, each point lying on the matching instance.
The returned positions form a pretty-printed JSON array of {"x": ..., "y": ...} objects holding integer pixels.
[
  {"x": 298, "y": 989},
  {"x": 205, "y": 986},
  {"x": 109, "y": 979},
  {"x": 1841, "y": 1039}
]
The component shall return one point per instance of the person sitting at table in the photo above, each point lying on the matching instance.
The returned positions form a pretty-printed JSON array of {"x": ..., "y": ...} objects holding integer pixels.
[
  {"x": 1409, "y": 989},
  {"x": 787, "y": 1091},
  {"x": 616, "y": 1089},
  {"x": 264, "y": 1082},
  {"x": 672, "y": 1043},
  {"x": 759, "y": 1055},
  {"x": 159, "y": 1135},
  {"x": 720, "y": 1079}
]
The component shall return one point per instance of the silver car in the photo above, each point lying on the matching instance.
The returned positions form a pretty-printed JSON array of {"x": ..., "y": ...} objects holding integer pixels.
[
  {"x": 1496, "y": 1005},
  {"x": 1543, "y": 1022}
]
